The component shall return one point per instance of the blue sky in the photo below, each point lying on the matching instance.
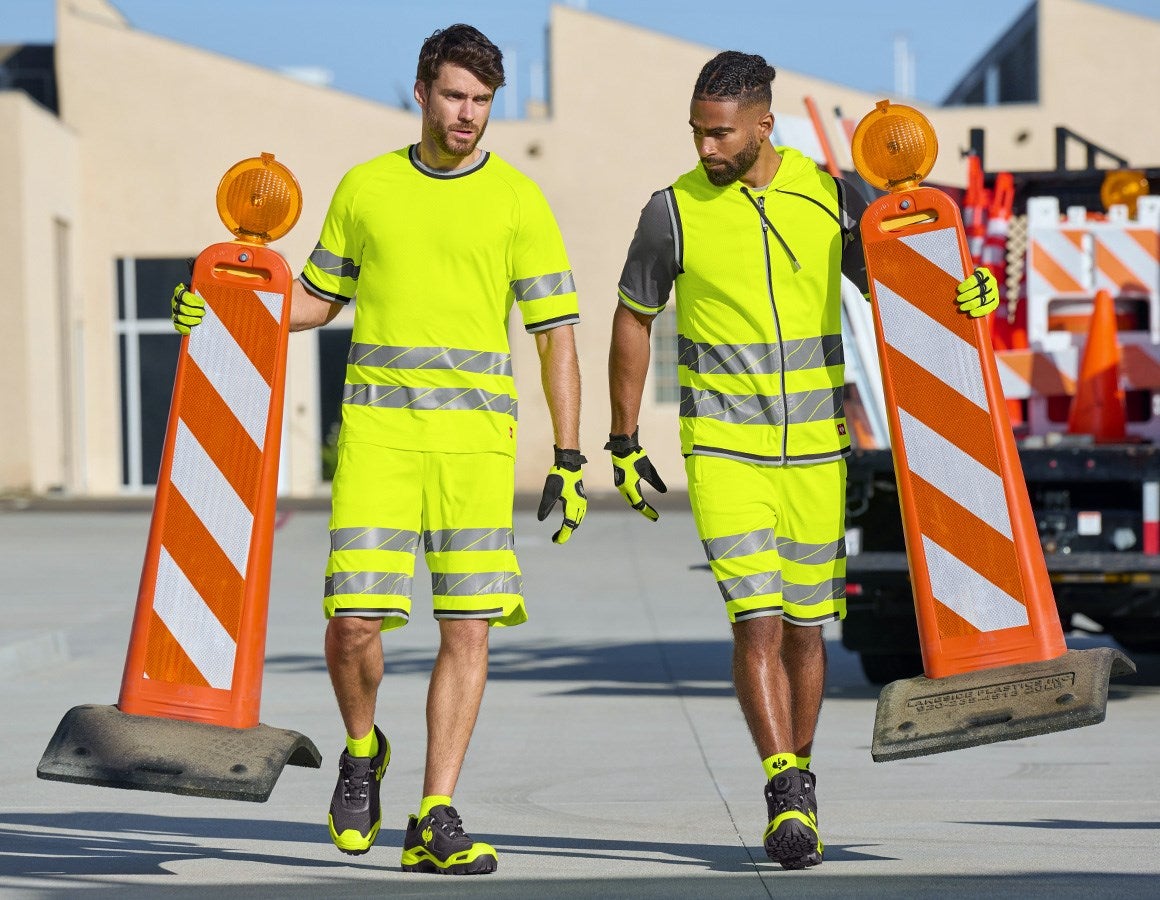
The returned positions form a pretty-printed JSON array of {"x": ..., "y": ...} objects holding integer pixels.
[{"x": 368, "y": 47}]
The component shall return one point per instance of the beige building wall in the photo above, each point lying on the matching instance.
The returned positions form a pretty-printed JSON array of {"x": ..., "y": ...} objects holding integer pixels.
[
  {"x": 148, "y": 126},
  {"x": 42, "y": 446}
]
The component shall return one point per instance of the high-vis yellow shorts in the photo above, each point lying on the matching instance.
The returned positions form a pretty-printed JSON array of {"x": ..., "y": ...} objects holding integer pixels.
[
  {"x": 774, "y": 536},
  {"x": 458, "y": 504}
]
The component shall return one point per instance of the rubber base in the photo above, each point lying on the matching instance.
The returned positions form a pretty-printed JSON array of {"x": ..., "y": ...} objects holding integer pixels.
[
  {"x": 920, "y": 716},
  {"x": 102, "y": 745}
]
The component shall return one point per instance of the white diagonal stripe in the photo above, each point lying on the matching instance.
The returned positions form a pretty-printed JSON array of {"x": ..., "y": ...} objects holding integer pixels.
[
  {"x": 272, "y": 300},
  {"x": 212, "y": 498},
  {"x": 941, "y": 247},
  {"x": 1061, "y": 251},
  {"x": 933, "y": 346},
  {"x": 1134, "y": 257},
  {"x": 232, "y": 374},
  {"x": 970, "y": 595},
  {"x": 957, "y": 474},
  {"x": 193, "y": 625},
  {"x": 1015, "y": 387}
]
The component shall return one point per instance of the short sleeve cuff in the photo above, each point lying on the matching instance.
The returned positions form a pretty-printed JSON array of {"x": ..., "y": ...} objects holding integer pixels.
[{"x": 636, "y": 306}]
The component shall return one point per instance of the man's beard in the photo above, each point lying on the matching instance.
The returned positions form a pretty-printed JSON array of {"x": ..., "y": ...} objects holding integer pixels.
[
  {"x": 451, "y": 144},
  {"x": 731, "y": 169}
]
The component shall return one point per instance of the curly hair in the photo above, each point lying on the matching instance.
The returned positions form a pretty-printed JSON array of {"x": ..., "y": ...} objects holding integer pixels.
[
  {"x": 464, "y": 46},
  {"x": 733, "y": 75}
]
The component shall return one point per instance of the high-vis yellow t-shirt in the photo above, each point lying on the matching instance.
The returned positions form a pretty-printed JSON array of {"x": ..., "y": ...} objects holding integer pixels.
[{"x": 434, "y": 261}]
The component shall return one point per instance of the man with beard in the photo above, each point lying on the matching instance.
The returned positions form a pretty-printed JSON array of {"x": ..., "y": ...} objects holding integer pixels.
[
  {"x": 439, "y": 239},
  {"x": 755, "y": 239}
]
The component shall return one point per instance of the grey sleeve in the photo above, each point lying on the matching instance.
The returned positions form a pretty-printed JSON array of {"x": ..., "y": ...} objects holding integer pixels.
[
  {"x": 654, "y": 256},
  {"x": 851, "y": 205}
]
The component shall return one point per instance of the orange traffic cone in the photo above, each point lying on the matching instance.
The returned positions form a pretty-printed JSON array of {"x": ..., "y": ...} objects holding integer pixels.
[{"x": 1098, "y": 407}]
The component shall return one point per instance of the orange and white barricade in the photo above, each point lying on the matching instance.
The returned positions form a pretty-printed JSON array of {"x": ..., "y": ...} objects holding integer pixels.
[
  {"x": 187, "y": 720},
  {"x": 993, "y": 650},
  {"x": 1070, "y": 258}
]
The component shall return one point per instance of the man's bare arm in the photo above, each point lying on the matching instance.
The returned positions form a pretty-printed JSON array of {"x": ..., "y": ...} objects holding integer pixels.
[{"x": 560, "y": 375}]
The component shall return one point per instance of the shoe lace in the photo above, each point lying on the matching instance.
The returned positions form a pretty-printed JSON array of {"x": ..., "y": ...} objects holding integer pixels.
[
  {"x": 791, "y": 799},
  {"x": 355, "y": 783},
  {"x": 451, "y": 824}
]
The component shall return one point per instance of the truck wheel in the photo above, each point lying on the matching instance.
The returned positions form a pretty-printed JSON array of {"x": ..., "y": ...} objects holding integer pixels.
[{"x": 883, "y": 668}]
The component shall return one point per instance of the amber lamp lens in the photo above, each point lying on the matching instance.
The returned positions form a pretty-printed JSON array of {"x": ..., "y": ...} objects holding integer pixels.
[
  {"x": 894, "y": 147},
  {"x": 1123, "y": 186},
  {"x": 259, "y": 199}
]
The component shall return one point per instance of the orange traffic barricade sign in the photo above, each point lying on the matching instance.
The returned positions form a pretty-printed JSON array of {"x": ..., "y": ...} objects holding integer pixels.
[
  {"x": 996, "y": 665},
  {"x": 187, "y": 718}
]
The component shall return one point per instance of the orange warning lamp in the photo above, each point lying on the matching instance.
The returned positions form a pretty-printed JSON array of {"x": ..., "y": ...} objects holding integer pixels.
[
  {"x": 259, "y": 199},
  {"x": 1123, "y": 186},
  {"x": 894, "y": 147}
]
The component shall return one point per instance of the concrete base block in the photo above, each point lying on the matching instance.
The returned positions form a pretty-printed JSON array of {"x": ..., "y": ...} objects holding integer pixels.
[
  {"x": 102, "y": 745},
  {"x": 920, "y": 716}
]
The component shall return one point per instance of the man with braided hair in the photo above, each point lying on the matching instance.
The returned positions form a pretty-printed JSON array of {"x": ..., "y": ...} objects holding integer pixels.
[{"x": 755, "y": 240}]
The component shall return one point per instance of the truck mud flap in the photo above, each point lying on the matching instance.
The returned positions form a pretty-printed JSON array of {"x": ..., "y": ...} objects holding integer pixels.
[{"x": 920, "y": 716}]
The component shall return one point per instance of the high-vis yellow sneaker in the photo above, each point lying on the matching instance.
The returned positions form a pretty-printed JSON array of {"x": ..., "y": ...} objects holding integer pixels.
[
  {"x": 355, "y": 812},
  {"x": 791, "y": 838},
  {"x": 438, "y": 844}
]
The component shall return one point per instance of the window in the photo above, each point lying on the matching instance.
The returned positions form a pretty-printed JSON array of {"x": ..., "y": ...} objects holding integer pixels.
[
  {"x": 148, "y": 348},
  {"x": 666, "y": 389}
]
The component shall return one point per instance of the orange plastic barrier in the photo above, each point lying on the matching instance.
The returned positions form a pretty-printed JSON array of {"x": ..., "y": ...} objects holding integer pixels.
[
  {"x": 981, "y": 589},
  {"x": 1098, "y": 408},
  {"x": 975, "y": 202},
  {"x": 197, "y": 645}
]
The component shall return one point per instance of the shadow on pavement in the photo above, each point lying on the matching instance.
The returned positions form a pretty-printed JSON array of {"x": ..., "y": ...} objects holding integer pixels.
[
  {"x": 42, "y": 846},
  {"x": 685, "y": 668}
]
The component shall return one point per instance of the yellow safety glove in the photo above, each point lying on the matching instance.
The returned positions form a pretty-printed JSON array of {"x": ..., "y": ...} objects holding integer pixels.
[
  {"x": 188, "y": 309},
  {"x": 630, "y": 464},
  {"x": 979, "y": 294},
  {"x": 565, "y": 484}
]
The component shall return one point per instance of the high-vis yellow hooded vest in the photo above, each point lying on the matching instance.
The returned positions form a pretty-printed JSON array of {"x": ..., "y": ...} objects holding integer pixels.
[
  {"x": 758, "y": 287},
  {"x": 759, "y": 317}
]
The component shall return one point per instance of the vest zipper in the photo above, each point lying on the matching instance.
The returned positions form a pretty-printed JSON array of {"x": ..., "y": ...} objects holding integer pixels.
[{"x": 766, "y": 228}]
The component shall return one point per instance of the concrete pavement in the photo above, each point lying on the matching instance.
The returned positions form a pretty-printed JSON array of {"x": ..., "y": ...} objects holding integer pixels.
[{"x": 610, "y": 760}]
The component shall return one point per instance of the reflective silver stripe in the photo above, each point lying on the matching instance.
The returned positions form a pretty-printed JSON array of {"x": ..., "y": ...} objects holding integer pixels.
[
  {"x": 811, "y": 594},
  {"x": 374, "y": 539},
  {"x": 541, "y": 286},
  {"x": 459, "y": 539},
  {"x": 430, "y": 358},
  {"x": 675, "y": 225},
  {"x": 395, "y": 397},
  {"x": 338, "y": 266},
  {"x": 749, "y": 409},
  {"x": 798, "y": 551},
  {"x": 381, "y": 583},
  {"x": 750, "y": 585},
  {"x": 759, "y": 359},
  {"x": 739, "y": 544},
  {"x": 813, "y": 353},
  {"x": 470, "y": 584}
]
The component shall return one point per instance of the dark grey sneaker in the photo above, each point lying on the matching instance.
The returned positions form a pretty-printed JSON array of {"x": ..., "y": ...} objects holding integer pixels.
[
  {"x": 791, "y": 838},
  {"x": 355, "y": 813},
  {"x": 437, "y": 843}
]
